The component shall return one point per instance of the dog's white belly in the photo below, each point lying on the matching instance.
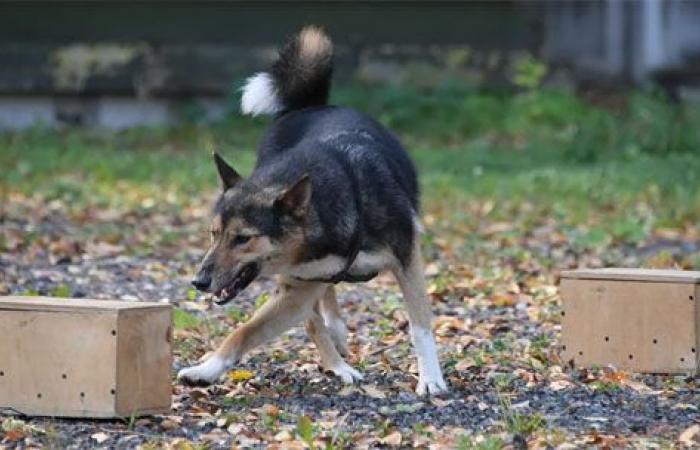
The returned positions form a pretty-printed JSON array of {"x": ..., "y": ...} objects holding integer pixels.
[{"x": 365, "y": 263}]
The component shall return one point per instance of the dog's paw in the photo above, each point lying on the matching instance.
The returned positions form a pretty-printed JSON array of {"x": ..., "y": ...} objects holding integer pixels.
[
  {"x": 346, "y": 373},
  {"x": 431, "y": 387},
  {"x": 202, "y": 374}
]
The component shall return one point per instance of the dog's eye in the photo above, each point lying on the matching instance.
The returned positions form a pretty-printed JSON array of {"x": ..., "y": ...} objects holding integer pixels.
[{"x": 240, "y": 239}]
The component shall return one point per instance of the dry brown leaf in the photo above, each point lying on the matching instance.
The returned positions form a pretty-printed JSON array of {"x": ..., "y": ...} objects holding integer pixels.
[
  {"x": 393, "y": 439},
  {"x": 503, "y": 300},
  {"x": 283, "y": 435},
  {"x": 687, "y": 437},
  {"x": 347, "y": 390},
  {"x": 373, "y": 391},
  {"x": 560, "y": 385},
  {"x": 99, "y": 437},
  {"x": 440, "y": 402},
  {"x": 14, "y": 435}
]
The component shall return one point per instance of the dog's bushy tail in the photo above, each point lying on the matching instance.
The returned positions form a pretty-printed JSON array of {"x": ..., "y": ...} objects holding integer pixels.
[{"x": 300, "y": 77}]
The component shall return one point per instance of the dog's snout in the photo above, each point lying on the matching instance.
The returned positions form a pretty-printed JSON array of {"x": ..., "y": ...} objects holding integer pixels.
[{"x": 201, "y": 281}]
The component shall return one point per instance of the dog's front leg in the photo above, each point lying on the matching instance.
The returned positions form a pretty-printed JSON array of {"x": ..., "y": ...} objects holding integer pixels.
[
  {"x": 331, "y": 359},
  {"x": 288, "y": 307},
  {"x": 330, "y": 310}
]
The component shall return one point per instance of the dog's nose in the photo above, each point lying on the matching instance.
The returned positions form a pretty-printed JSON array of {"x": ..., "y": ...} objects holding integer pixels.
[{"x": 201, "y": 281}]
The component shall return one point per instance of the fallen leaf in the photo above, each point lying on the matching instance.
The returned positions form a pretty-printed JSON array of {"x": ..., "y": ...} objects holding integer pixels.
[
  {"x": 271, "y": 410},
  {"x": 393, "y": 439},
  {"x": 440, "y": 402},
  {"x": 100, "y": 437},
  {"x": 687, "y": 437},
  {"x": 503, "y": 300},
  {"x": 235, "y": 428},
  {"x": 283, "y": 435},
  {"x": 101, "y": 249},
  {"x": 373, "y": 391},
  {"x": 560, "y": 385},
  {"x": 240, "y": 375},
  {"x": 684, "y": 406},
  {"x": 14, "y": 435},
  {"x": 199, "y": 394}
]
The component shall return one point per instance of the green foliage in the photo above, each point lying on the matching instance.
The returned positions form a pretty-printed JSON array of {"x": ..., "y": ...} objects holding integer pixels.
[
  {"x": 571, "y": 159},
  {"x": 306, "y": 431},
  {"x": 12, "y": 424},
  {"x": 606, "y": 386},
  {"x": 529, "y": 72},
  {"x": 487, "y": 443},
  {"x": 237, "y": 315},
  {"x": 62, "y": 290},
  {"x": 184, "y": 320},
  {"x": 516, "y": 423}
]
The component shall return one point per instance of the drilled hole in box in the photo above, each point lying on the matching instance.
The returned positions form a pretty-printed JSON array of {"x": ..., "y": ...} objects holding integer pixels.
[
  {"x": 692, "y": 349},
  {"x": 580, "y": 353},
  {"x": 64, "y": 376},
  {"x": 82, "y": 395},
  {"x": 112, "y": 391},
  {"x": 690, "y": 297},
  {"x": 38, "y": 395},
  {"x": 655, "y": 341},
  {"x": 563, "y": 313},
  {"x": 630, "y": 356},
  {"x": 607, "y": 338},
  {"x": 563, "y": 347},
  {"x": 114, "y": 332},
  {"x": 682, "y": 359},
  {"x": 2, "y": 374}
]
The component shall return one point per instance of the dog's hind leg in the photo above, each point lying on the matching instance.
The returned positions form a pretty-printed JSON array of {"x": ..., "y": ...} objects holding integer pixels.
[
  {"x": 335, "y": 324},
  {"x": 412, "y": 283},
  {"x": 331, "y": 360},
  {"x": 290, "y": 306}
]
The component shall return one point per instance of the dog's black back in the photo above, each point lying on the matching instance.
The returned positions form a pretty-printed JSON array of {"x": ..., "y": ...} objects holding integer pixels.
[
  {"x": 361, "y": 177},
  {"x": 364, "y": 188}
]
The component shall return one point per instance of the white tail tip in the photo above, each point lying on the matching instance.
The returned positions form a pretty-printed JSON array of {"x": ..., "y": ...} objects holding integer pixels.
[{"x": 260, "y": 95}]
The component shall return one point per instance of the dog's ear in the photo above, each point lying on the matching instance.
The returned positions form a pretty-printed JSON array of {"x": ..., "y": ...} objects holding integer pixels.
[
  {"x": 229, "y": 176},
  {"x": 294, "y": 201}
]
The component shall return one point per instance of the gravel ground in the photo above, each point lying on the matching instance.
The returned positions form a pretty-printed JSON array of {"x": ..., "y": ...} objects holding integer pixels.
[{"x": 287, "y": 380}]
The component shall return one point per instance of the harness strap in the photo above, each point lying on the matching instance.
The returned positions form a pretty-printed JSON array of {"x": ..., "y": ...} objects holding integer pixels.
[{"x": 355, "y": 239}]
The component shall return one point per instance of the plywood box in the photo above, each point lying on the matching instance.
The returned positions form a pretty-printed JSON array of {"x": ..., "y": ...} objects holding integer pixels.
[
  {"x": 634, "y": 319},
  {"x": 84, "y": 358}
]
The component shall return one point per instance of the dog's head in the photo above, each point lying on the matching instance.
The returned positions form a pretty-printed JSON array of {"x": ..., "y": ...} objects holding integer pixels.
[{"x": 255, "y": 229}]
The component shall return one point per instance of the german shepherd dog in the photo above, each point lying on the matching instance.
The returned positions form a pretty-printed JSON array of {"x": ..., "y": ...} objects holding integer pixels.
[{"x": 333, "y": 198}]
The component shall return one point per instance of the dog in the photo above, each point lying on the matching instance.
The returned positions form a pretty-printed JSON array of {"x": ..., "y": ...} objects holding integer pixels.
[{"x": 333, "y": 198}]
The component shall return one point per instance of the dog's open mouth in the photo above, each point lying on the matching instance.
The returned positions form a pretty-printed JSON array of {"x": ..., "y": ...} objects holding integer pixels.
[{"x": 240, "y": 281}]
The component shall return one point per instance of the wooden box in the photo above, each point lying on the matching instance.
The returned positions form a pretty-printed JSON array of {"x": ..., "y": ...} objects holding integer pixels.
[
  {"x": 634, "y": 319},
  {"x": 84, "y": 358}
]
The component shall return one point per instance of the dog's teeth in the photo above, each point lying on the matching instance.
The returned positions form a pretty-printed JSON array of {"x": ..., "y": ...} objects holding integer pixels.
[{"x": 224, "y": 293}]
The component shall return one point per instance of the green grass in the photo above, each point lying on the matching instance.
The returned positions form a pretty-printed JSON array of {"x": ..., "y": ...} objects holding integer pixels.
[
  {"x": 517, "y": 423},
  {"x": 184, "y": 320},
  {"x": 608, "y": 176}
]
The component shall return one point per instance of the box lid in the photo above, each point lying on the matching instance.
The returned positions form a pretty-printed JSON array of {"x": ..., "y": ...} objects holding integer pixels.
[
  {"x": 618, "y": 273},
  {"x": 72, "y": 304}
]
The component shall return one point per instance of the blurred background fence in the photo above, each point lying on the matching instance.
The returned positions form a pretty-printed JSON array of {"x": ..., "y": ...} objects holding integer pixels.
[{"x": 119, "y": 64}]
